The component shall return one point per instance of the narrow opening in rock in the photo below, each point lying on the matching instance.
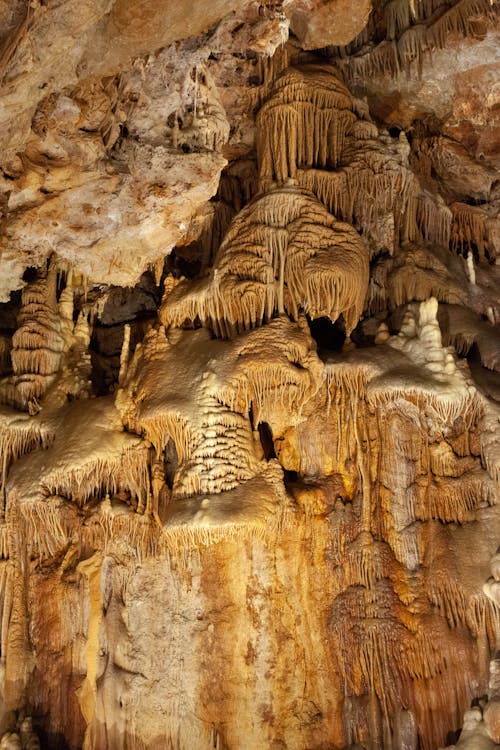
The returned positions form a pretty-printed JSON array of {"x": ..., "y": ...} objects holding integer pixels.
[
  {"x": 171, "y": 462},
  {"x": 327, "y": 335},
  {"x": 266, "y": 439},
  {"x": 30, "y": 275}
]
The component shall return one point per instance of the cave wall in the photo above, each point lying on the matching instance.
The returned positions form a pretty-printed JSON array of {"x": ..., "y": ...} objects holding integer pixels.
[{"x": 249, "y": 390}]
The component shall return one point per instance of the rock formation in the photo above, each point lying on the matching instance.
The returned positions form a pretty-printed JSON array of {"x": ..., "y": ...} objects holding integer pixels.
[{"x": 249, "y": 375}]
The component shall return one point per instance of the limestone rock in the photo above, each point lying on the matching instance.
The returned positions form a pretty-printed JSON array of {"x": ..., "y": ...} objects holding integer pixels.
[
  {"x": 249, "y": 375},
  {"x": 330, "y": 22}
]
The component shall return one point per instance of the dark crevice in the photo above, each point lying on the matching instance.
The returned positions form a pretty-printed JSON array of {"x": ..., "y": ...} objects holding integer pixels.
[
  {"x": 178, "y": 265},
  {"x": 170, "y": 463},
  {"x": 8, "y": 313},
  {"x": 266, "y": 439},
  {"x": 30, "y": 274},
  {"x": 327, "y": 335},
  {"x": 105, "y": 350}
]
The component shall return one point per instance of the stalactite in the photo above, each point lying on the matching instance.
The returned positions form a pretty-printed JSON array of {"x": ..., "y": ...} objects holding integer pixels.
[
  {"x": 18, "y": 436},
  {"x": 48, "y": 347},
  {"x": 179, "y": 537},
  {"x": 460, "y": 20},
  {"x": 213, "y": 231},
  {"x": 271, "y": 67},
  {"x": 399, "y": 14},
  {"x": 406, "y": 285},
  {"x": 37, "y": 344},
  {"x": 45, "y": 530},
  {"x": 397, "y": 17},
  {"x": 393, "y": 55},
  {"x": 100, "y": 475},
  {"x": 214, "y": 443},
  {"x": 372, "y": 181},
  {"x": 49, "y": 531},
  {"x": 434, "y": 219},
  {"x": 363, "y": 563},
  {"x": 283, "y": 515},
  {"x": 456, "y": 500},
  {"x": 282, "y": 253},
  {"x": 416, "y": 273},
  {"x": 462, "y": 328},
  {"x": 388, "y": 659},
  {"x": 489, "y": 441},
  {"x": 469, "y": 232},
  {"x": 412, "y": 46},
  {"x": 303, "y": 123},
  {"x": 445, "y": 408}
]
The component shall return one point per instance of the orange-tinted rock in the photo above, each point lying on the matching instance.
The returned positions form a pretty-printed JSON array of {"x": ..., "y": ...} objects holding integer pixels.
[
  {"x": 328, "y": 22},
  {"x": 251, "y": 502},
  {"x": 491, "y": 715}
]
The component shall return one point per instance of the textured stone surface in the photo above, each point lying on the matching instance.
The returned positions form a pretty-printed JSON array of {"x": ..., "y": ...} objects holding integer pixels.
[
  {"x": 249, "y": 375},
  {"x": 328, "y": 23}
]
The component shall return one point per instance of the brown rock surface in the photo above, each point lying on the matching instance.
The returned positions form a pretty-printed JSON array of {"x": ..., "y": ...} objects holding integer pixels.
[
  {"x": 249, "y": 375},
  {"x": 330, "y": 22}
]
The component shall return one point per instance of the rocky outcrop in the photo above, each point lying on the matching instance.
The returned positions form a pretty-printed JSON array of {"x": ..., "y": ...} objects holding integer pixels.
[{"x": 249, "y": 376}]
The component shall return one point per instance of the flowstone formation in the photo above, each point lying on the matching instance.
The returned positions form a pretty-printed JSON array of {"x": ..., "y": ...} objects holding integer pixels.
[{"x": 249, "y": 378}]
